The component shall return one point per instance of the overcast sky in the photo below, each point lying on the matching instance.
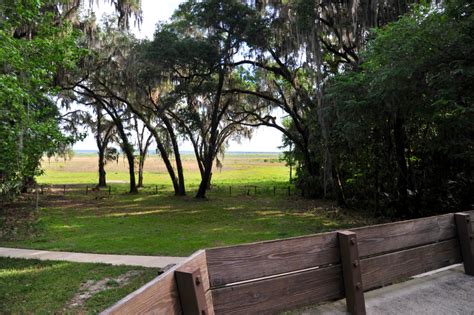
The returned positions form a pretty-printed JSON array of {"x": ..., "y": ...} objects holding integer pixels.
[{"x": 264, "y": 139}]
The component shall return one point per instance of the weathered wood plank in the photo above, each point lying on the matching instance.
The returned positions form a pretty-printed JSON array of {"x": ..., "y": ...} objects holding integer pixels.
[
  {"x": 390, "y": 237},
  {"x": 282, "y": 293},
  {"x": 353, "y": 286},
  {"x": 210, "y": 302},
  {"x": 160, "y": 296},
  {"x": 200, "y": 261},
  {"x": 256, "y": 260},
  {"x": 471, "y": 213},
  {"x": 389, "y": 268},
  {"x": 466, "y": 240},
  {"x": 197, "y": 261},
  {"x": 191, "y": 292}
]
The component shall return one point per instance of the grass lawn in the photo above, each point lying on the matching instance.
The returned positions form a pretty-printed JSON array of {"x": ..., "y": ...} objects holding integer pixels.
[
  {"x": 167, "y": 225},
  {"x": 150, "y": 224},
  {"x": 53, "y": 287}
]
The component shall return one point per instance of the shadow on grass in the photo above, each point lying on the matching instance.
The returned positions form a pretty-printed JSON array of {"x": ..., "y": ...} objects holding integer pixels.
[{"x": 147, "y": 224}]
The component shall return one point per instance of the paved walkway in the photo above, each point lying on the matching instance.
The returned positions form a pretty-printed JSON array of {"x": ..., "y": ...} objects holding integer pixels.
[{"x": 144, "y": 261}]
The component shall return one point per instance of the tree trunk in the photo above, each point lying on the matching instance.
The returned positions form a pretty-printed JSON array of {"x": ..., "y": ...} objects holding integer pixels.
[
  {"x": 179, "y": 169},
  {"x": 209, "y": 181},
  {"x": 102, "y": 143},
  {"x": 141, "y": 164},
  {"x": 102, "y": 173},
  {"x": 128, "y": 150},
  {"x": 28, "y": 181},
  {"x": 376, "y": 158},
  {"x": 212, "y": 147},
  {"x": 178, "y": 182},
  {"x": 201, "y": 194},
  {"x": 169, "y": 168},
  {"x": 199, "y": 159},
  {"x": 131, "y": 169},
  {"x": 328, "y": 179},
  {"x": 177, "y": 155},
  {"x": 341, "y": 199}
]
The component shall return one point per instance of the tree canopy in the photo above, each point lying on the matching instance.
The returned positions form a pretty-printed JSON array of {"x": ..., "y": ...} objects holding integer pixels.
[
  {"x": 378, "y": 109},
  {"x": 404, "y": 117},
  {"x": 34, "y": 50}
]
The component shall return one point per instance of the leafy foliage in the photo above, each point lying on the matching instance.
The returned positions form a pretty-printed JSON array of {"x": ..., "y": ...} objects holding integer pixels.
[
  {"x": 34, "y": 50},
  {"x": 41, "y": 42},
  {"x": 403, "y": 121}
]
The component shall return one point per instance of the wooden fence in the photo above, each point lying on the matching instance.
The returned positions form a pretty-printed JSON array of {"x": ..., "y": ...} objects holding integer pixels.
[
  {"x": 231, "y": 190},
  {"x": 274, "y": 276}
]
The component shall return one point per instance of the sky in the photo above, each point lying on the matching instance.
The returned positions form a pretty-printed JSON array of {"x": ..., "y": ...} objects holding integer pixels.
[{"x": 265, "y": 139}]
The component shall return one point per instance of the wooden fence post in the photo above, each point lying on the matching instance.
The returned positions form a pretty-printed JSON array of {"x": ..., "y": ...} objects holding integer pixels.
[
  {"x": 466, "y": 239},
  {"x": 191, "y": 292},
  {"x": 354, "y": 290}
]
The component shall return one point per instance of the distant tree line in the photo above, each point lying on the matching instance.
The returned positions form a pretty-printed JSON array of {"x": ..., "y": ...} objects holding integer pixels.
[{"x": 378, "y": 109}]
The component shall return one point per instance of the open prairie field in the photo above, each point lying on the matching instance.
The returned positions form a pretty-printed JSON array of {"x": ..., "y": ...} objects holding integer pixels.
[{"x": 238, "y": 169}]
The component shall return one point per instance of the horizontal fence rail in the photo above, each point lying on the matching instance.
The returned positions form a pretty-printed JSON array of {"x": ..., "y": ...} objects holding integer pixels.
[
  {"x": 389, "y": 268},
  {"x": 273, "y": 295},
  {"x": 274, "y": 276},
  {"x": 154, "y": 189},
  {"x": 263, "y": 259}
]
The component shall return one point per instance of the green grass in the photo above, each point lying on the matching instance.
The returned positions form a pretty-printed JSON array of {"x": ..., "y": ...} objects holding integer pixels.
[
  {"x": 150, "y": 224},
  {"x": 167, "y": 225},
  {"x": 261, "y": 169},
  {"x": 48, "y": 287}
]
